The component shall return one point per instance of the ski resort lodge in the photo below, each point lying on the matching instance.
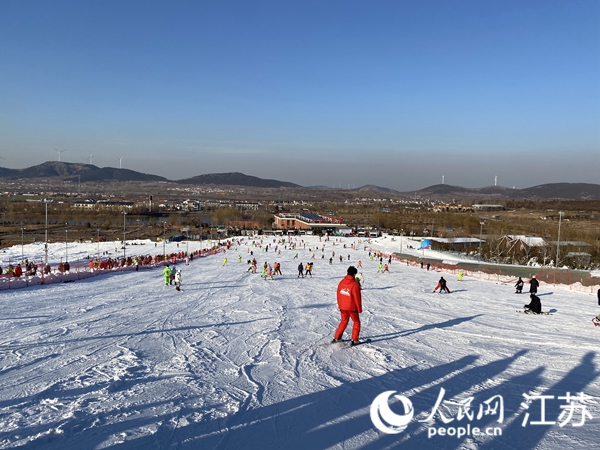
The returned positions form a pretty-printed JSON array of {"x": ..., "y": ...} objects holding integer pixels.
[{"x": 311, "y": 223}]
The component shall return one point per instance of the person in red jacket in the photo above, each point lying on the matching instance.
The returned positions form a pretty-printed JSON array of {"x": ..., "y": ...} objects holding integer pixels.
[{"x": 350, "y": 304}]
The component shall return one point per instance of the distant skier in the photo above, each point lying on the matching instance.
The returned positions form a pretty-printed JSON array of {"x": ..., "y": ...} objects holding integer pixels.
[
  {"x": 359, "y": 279},
  {"x": 308, "y": 269},
  {"x": 167, "y": 274},
  {"x": 533, "y": 285},
  {"x": 385, "y": 269},
  {"x": 442, "y": 286},
  {"x": 300, "y": 271},
  {"x": 461, "y": 274},
  {"x": 519, "y": 286},
  {"x": 178, "y": 280},
  {"x": 350, "y": 304},
  {"x": 535, "y": 305}
]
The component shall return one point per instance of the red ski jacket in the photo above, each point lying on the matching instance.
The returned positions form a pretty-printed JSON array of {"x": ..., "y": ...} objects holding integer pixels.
[{"x": 348, "y": 295}]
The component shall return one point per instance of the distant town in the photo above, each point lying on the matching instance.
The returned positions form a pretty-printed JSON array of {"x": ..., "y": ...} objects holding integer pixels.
[{"x": 491, "y": 227}]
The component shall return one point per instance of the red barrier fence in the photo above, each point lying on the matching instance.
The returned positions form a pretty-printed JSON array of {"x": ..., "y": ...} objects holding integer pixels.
[{"x": 81, "y": 270}]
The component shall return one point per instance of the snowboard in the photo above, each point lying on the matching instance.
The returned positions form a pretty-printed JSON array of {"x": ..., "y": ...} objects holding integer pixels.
[
  {"x": 346, "y": 343},
  {"x": 543, "y": 313}
]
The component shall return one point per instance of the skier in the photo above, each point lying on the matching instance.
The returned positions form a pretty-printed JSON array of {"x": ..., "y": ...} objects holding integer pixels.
[
  {"x": 535, "y": 306},
  {"x": 225, "y": 261},
  {"x": 442, "y": 286},
  {"x": 167, "y": 274},
  {"x": 385, "y": 269},
  {"x": 178, "y": 280},
  {"x": 533, "y": 285},
  {"x": 359, "y": 279},
  {"x": 461, "y": 274},
  {"x": 300, "y": 271},
  {"x": 519, "y": 286},
  {"x": 269, "y": 272},
  {"x": 308, "y": 269},
  {"x": 350, "y": 304}
]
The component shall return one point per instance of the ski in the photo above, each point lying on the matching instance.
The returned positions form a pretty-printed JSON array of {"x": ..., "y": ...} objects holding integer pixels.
[
  {"x": 350, "y": 345},
  {"x": 343, "y": 341}
]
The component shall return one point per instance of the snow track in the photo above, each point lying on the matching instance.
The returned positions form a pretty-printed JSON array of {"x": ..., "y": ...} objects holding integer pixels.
[{"x": 236, "y": 361}]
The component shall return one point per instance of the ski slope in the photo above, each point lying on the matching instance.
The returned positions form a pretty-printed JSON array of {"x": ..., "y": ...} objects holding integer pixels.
[{"x": 238, "y": 362}]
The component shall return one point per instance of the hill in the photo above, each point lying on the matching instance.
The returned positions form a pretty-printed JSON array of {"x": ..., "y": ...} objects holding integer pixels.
[
  {"x": 566, "y": 191},
  {"x": 236, "y": 179},
  {"x": 570, "y": 191},
  {"x": 76, "y": 172},
  {"x": 90, "y": 173}
]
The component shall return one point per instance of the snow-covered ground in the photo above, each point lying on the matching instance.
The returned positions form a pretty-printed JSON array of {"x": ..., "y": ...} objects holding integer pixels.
[{"x": 237, "y": 362}]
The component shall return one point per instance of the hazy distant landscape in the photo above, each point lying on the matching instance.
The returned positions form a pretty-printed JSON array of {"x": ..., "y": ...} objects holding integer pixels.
[{"x": 83, "y": 173}]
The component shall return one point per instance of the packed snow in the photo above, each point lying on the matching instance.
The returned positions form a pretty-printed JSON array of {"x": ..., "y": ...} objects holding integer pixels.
[{"x": 234, "y": 361}]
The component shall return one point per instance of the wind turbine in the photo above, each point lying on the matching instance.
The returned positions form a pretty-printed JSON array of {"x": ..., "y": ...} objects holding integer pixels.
[
  {"x": 120, "y": 160},
  {"x": 91, "y": 158},
  {"x": 59, "y": 152}
]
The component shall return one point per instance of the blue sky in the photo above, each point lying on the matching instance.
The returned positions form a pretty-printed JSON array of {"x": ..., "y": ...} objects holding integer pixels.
[{"x": 337, "y": 93}]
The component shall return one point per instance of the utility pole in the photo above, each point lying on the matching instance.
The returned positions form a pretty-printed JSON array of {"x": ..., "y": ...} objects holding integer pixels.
[
  {"x": 481, "y": 224},
  {"x": 560, "y": 214},
  {"x": 124, "y": 215},
  {"x": 22, "y": 238},
  {"x": 46, "y": 201},
  {"x": 164, "y": 241}
]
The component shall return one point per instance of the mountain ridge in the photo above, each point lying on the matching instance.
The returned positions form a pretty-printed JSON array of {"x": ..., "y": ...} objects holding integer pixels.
[{"x": 90, "y": 173}]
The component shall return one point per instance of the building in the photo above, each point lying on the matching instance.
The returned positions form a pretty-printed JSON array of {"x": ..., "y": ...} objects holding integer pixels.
[
  {"x": 488, "y": 208},
  {"x": 309, "y": 222}
]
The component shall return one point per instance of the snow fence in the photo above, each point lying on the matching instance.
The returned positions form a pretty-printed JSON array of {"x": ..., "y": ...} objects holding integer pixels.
[
  {"x": 574, "y": 280},
  {"x": 80, "y": 270}
]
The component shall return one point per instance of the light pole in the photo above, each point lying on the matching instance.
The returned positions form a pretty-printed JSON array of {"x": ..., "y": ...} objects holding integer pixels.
[
  {"x": 66, "y": 247},
  {"x": 22, "y": 238},
  {"x": 560, "y": 214},
  {"x": 164, "y": 235},
  {"x": 124, "y": 215},
  {"x": 46, "y": 201},
  {"x": 401, "y": 236},
  {"x": 187, "y": 241},
  {"x": 481, "y": 224},
  {"x": 98, "y": 244}
]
